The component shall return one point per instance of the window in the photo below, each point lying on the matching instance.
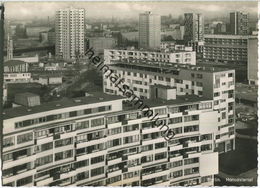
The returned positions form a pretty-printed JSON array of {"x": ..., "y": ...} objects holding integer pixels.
[
  {"x": 216, "y": 94},
  {"x": 199, "y": 76},
  {"x": 24, "y": 181},
  {"x": 176, "y": 174},
  {"x": 160, "y": 145},
  {"x": 191, "y": 118},
  {"x": 206, "y": 147},
  {"x": 44, "y": 160},
  {"x": 63, "y": 142},
  {"x": 47, "y": 146},
  {"x": 82, "y": 176},
  {"x": 175, "y": 164},
  {"x": 63, "y": 155},
  {"x": 7, "y": 142},
  {"x": 191, "y": 161},
  {"x": 24, "y": 138},
  {"x": 7, "y": 157},
  {"x": 160, "y": 111},
  {"x": 97, "y": 171},
  {"x": 223, "y": 115},
  {"x": 191, "y": 128},
  {"x": 175, "y": 120},
  {"x": 130, "y": 139},
  {"x": 159, "y": 156},
  {"x": 82, "y": 125},
  {"x": 147, "y": 147},
  {"x": 97, "y": 122},
  {"x": 97, "y": 159},
  {"x": 200, "y": 84},
  {"x": 115, "y": 131},
  {"x": 131, "y": 128},
  {"x": 191, "y": 171},
  {"x": 81, "y": 164}
]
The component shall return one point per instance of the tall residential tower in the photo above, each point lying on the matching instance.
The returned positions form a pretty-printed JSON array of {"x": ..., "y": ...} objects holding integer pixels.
[
  {"x": 70, "y": 29},
  {"x": 239, "y": 23},
  {"x": 149, "y": 30},
  {"x": 193, "y": 27}
]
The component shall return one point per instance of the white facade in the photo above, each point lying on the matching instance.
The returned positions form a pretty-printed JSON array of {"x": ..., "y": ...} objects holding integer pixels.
[
  {"x": 180, "y": 57},
  {"x": 70, "y": 33},
  {"x": 149, "y": 30},
  {"x": 252, "y": 60},
  {"x": 212, "y": 83},
  {"x": 99, "y": 143},
  {"x": 17, "y": 77}
]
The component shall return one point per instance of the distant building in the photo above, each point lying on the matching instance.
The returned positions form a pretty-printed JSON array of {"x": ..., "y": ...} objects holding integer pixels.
[
  {"x": 43, "y": 36},
  {"x": 27, "y": 99},
  {"x": 4, "y": 93},
  {"x": 16, "y": 71},
  {"x": 100, "y": 43},
  {"x": 169, "y": 46},
  {"x": 149, "y": 30},
  {"x": 239, "y": 23},
  {"x": 180, "y": 56},
  {"x": 50, "y": 79},
  {"x": 35, "y": 31},
  {"x": 28, "y": 59},
  {"x": 15, "y": 66},
  {"x": 193, "y": 27},
  {"x": 51, "y": 36},
  {"x": 131, "y": 36},
  {"x": 70, "y": 33},
  {"x": 252, "y": 62},
  {"x": 10, "y": 47},
  {"x": 226, "y": 48}
]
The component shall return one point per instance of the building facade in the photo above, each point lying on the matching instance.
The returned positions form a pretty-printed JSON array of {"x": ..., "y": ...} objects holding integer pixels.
[
  {"x": 252, "y": 62},
  {"x": 226, "y": 48},
  {"x": 215, "y": 84},
  {"x": 16, "y": 71},
  {"x": 100, "y": 43},
  {"x": 149, "y": 30},
  {"x": 70, "y": 33},
  {"x": 98, "y": 141},
  {"x": 193, "y": 27},
  {"x": 181, "y": 55},
  {"x": 239, "y": 23}
]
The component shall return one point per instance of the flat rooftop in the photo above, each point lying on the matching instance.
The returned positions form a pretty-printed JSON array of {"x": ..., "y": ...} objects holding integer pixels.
[
  {"x": 97, "y": 97},
  {"x": 14, "y": 62},
  {"x": 55, "y": 105},
  {"x": 168, "y": 66},
  {"x": 149, "y": 50},
  {"x": 185, "y": 99}
]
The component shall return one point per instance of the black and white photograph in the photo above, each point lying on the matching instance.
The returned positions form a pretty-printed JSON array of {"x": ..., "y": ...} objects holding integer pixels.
[{"x": 129, "y": 93}]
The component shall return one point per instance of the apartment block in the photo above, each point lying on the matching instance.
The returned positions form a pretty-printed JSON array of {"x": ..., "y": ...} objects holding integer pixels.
[
  {"x": 100, "y": 140},
  {"x": 181, "y": 56},
  {"x": 70, "y": 33},
  {"x": 149, "y": 30},
  {"x": 252, "y": 63},
  {"x": 213, "y": 83},
  {"x": 226, "y": 48},
  {"x": 16, "y": 71},
  {"x": 239, "y": 23},
  {"x": 193, "y": 27}
]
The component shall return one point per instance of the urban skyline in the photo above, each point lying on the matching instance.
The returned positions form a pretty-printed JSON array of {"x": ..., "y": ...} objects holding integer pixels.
[{"x": 27, "y": 10}]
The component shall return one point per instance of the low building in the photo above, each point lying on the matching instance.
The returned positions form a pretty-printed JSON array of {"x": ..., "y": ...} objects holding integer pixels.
[
  {"x": 28, "y": 59},
  {"x": 16, "y": 71},
  {"x": 14, "y": 66},
  {"x": 252, "y": 62},
  {"x": 49, "y": 79},
  {"x": 100, "y": 43},
  {"x": 35, "y": 31},
  {"x": 27, "y": 99},
  {"x": 17, "y": 77},
  {"x": 226, "y": 48},
  {"x": 176, "y": 56}
]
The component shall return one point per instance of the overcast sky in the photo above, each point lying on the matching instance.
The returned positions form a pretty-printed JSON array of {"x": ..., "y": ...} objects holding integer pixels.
[{"x": 27, "y": 10}]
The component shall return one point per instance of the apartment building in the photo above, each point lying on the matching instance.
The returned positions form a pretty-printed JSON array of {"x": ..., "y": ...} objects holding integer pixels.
[
  {"x": 70, "y": 33},
  {"x": 16, "y": 71},
  {"x": 213, "y": 83},
  {"x": 149, "y": 30},
  {"x": 252, "y": 63},
  {"x": 181, "y": 56},
  {"x": 100, "y": 140},
  {"x": 193, "y": 27},
  {"x": 226, "y": 48},
  {"x": 239, "y": 23}
]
